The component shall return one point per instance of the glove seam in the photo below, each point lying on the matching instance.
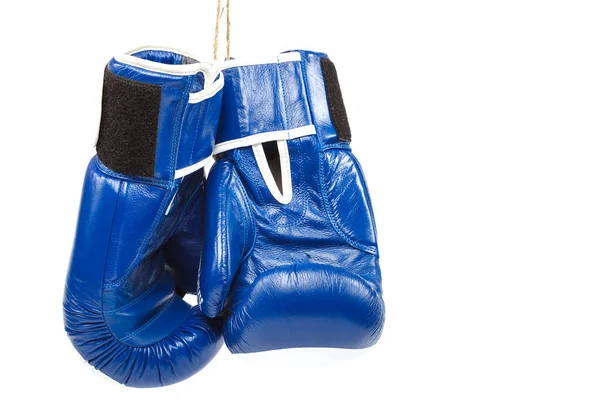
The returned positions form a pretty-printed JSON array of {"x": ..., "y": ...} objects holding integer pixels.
[
  {"x": 248, "y": 209},
  {"x": 177, "y": 127},
  {"x": 224, "y": 240},
  {"x": 247, "y": 217},
  {"x": 226, "y": 280},
  {"x": 283, "y": 102},
  {"x": 244, "y": 255},
  {"x": 184, "y": 211},
  {"x": 200, "y": 118},
  {"x": 353, "y": 243},
  {"x": 368, "y": 196},
  {"x": 152, "y": 320},
  {"x": 105, "y": 261},
  {"x": 138, "y": 299},
  {"x": 136, "y": 260}
]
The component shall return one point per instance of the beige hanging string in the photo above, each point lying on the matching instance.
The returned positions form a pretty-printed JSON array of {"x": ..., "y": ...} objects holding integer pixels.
[{"x": 227, "y": 33}]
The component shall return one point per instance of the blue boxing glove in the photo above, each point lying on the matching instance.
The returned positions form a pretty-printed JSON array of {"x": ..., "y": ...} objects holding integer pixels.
[
  {"x": 290, "y": 255},
  {"x": 139, "y": 234}
]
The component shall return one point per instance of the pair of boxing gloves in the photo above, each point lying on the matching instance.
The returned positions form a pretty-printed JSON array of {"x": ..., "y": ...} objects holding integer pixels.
[{"x": 279, "y": 242}]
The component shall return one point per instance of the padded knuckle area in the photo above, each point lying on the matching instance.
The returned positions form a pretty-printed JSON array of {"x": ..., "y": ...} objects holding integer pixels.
[
  {"x": 306, "y": 305},
  {"x": 184, "y": 351}
]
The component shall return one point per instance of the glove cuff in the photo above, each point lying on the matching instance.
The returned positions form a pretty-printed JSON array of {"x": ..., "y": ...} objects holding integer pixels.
[
  {"x": 160, "y": 110},
  {"x": 297, "y": 94}
]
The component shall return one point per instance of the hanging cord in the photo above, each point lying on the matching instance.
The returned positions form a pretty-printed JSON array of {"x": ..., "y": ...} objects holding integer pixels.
[{"x": 227, "y": 33}]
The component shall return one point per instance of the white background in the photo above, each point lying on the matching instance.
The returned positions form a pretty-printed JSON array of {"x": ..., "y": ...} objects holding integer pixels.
[{"x": 478, "y": 126}]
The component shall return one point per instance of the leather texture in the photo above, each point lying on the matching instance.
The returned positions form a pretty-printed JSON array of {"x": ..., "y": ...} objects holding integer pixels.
[
  {"x": 138, "y": 239},
  {"x": 303, "y": 273}
]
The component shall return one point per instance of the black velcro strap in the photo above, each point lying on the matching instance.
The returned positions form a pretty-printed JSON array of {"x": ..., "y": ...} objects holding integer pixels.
[
  {"x": 129, "y": 125},
  {"x": 337, "y": 110}
]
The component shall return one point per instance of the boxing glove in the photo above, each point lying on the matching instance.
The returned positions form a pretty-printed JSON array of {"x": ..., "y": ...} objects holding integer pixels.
[
  {"x": 139, "y": 233},
  {"x": 290, "y": 255}
]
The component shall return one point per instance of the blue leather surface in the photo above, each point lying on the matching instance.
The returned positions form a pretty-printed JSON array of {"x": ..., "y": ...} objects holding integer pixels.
[
  {"x": 137, "y": 238},
  {"x": 303, "y": 274},
  {"x": 195, "y": 148},
  {"x": 263, "y": 104},
  {"x": 183, "y": 250}
]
